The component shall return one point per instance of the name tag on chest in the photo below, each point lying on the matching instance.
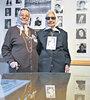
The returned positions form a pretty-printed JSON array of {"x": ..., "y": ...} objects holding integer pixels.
[{"x": 51, "y": 43}]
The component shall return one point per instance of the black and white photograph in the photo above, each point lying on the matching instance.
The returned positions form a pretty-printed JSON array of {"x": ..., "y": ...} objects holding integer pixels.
[
  {"x": 16, "y": 11},
  {"x": 58, "y": 7},
  {"x": 18, "y": 1},
  {"x": 82, "y": 5},
  {"x": 7, "y": 23},
  {"x": 38, "y": 21},
  {"x": 81, "y": 18},
  {"x": 7, "y": 11},
  {"x": 81, "y": 48},
  {"x": 50, "y": 91},
  {"x": 79, "y": 97},
  {"x": 81, "y": 33},
  {"x": 8, "y": 2},
  {"x": 59, "y": 21},
  {"x": 81, "y": 85},
  {"x": 38, "y": 6}
]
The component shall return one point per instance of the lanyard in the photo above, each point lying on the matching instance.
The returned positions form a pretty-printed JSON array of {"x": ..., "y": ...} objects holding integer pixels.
[{"x": 51, "y": 33}]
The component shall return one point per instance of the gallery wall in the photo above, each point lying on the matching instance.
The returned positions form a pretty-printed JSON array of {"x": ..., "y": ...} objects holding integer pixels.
[
  {"x": 71, "y": 18},
  {"x": 73, "y": 24}
]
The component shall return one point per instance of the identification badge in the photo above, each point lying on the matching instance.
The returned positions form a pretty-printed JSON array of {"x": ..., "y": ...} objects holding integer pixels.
[{"x": 51, "y": 43}]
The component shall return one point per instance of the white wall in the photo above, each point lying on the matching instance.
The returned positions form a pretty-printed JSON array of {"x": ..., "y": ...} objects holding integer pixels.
[
  {"x": 1, "y": 23},
  {"x": 70, "y": 25}
]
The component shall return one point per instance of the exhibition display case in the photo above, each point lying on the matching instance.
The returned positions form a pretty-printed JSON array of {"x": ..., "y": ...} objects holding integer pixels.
[{"x": 34, "y": 86}]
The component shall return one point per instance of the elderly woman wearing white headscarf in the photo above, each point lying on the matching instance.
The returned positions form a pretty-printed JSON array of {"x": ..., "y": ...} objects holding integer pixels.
[
  {"x": 19, "y": 47},
  {"x": 52, "y": 47}
]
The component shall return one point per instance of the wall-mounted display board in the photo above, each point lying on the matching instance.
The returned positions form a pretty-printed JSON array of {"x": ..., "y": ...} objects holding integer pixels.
[
  {"x": 72, "y": 15},
  {"x": 76, "y": 20}
]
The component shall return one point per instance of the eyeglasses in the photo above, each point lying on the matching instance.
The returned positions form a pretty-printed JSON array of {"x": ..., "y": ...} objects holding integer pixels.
[{"x": 48, "y": 18}]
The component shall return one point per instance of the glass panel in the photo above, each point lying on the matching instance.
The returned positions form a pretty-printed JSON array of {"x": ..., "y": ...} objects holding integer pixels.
[{"x": 34, "y": 86}]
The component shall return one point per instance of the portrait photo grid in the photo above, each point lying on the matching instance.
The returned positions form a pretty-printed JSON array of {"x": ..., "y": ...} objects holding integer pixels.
[
  {"x": 81, "y": 28},
  {"x": 38, "y": 10},
  {"x": 11, "y": 11}
]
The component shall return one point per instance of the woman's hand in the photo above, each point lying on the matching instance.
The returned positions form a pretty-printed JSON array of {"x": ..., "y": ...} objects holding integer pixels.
[
  {"x": 14, "y": 65},
  {"x": 67, "y": 69}
]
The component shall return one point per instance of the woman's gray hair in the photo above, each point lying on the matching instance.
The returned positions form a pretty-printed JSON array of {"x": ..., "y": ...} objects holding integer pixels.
[
  {"x": 49, "y": 12},
  {"x": 23, "y": 9},
  {"x": 47, "y": 16}
]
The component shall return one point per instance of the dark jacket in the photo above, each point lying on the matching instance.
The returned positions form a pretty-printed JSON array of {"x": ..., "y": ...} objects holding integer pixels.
[
  {"x": 53, "y": 60},
  {"x": 15, "y": 49}
]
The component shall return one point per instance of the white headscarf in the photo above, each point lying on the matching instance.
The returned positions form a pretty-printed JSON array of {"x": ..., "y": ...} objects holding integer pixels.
[
  {"x": 18, "y": 23},
  {"x": 48, "y": 27}
]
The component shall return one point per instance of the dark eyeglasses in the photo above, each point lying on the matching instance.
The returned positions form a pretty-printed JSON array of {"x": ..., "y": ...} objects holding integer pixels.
[{"x": 48, "y": 18}]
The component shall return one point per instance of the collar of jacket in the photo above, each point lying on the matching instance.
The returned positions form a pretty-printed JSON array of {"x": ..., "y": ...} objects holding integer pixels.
[
  {"x": 54, "y": 29},
  {"x": 21, "y": 28}
]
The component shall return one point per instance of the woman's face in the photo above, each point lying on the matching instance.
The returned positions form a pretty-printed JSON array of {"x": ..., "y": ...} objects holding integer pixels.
[
  {"x": 24, "y": 17},
  {"x": 81, "y": 33},
  {"x": 51, "y": 19}
]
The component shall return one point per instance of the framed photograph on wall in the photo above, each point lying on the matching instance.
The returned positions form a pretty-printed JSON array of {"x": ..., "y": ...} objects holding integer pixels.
[
  {"x": 58, "y": 6},
  {"x": 59, "y": 21},
  {"x": 38, "y": 6},
  {"x": 38, "y": 21},
  {"x": 7, "y": 11},
  {"x": 81, "y": 18},
  {"x": 16, "y": 11},
  {"x": 81, "y": 33},
  {"x": 7, "y": 23},
  {"x": 81, "y": 48},
  {"x": 8, "y": 2},
  {"x": 81, "y": 5},
  {"x": 18, "y": 1}
]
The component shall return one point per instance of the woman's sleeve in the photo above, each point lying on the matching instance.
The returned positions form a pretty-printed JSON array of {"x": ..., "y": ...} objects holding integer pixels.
[
  {"x": 39, "y": 46},
  {"x": 7, "y": 48},
  {"x": 66, "y": 50}
]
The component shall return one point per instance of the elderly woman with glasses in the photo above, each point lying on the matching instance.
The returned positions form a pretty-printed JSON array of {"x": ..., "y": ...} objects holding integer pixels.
[
  {"x": 19, "y": 47},
  {"x": 52, "y": 47}
]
